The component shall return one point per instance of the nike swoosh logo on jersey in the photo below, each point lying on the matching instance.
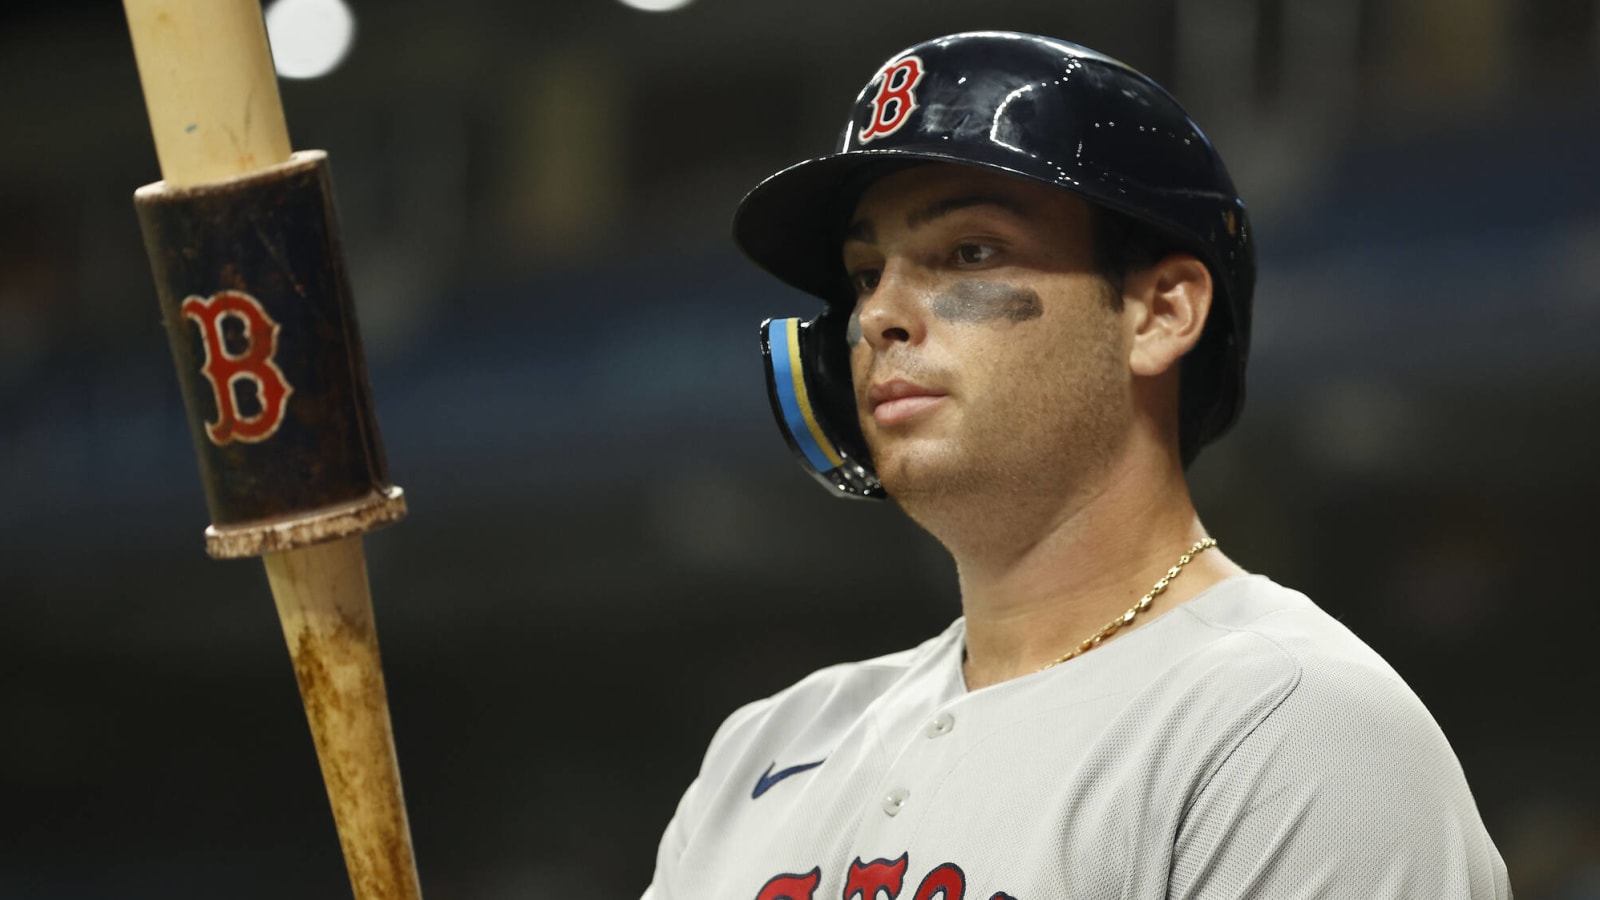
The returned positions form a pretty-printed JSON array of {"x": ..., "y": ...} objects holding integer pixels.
[{"x": 770, "y": 778}]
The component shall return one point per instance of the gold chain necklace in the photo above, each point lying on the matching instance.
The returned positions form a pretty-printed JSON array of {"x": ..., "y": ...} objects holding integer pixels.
[{"x": 1112, "y": 627}]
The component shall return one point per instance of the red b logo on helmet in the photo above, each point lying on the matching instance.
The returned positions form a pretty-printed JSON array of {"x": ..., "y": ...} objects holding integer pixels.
[
  {"x": 894, "y": 101},
  {"x": 224, "y": 370}
]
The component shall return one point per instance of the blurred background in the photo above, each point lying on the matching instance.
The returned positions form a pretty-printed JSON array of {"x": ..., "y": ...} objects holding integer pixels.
[{"x": 609, "y": 547}]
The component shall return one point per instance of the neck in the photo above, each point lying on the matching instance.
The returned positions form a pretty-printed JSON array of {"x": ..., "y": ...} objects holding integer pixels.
[{"x": 1037, "y": 581}]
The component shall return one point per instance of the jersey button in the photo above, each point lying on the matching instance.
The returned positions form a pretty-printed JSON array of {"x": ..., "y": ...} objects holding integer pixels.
[
  {"x": 940, "y": 726},
  {"x": 895, "y": 800}
]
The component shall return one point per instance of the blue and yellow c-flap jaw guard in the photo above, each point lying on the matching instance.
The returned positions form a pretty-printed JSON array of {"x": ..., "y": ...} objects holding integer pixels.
[{"x": 808, "y": 384}]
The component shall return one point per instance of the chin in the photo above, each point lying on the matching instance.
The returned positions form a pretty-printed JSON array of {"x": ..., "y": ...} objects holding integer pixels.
[{"x": 909, "y": 469}]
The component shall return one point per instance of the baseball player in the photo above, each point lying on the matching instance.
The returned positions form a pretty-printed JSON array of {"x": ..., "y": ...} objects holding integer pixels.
[{"x": 1037, "y": 277}]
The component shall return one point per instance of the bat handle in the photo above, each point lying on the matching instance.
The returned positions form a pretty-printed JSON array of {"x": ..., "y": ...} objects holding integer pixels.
[{"x": 325, "y": 607}]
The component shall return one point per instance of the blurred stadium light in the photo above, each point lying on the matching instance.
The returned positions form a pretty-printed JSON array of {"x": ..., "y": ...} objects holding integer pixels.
[{"x": 309, "y": 37}]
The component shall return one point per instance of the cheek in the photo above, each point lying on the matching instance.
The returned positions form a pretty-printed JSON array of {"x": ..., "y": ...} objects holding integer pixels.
[
  {"x": 1087, "y": 366},
  {"x": 1047, "y": 366},
  {"x": 860, "y": 369}
]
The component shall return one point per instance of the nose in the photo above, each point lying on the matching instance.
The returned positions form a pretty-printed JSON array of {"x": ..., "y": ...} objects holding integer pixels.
[{"x": 892, "y": 313}]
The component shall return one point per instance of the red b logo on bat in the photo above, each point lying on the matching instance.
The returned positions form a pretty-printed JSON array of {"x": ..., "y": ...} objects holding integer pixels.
[
  {"x": 225, "y": 370},
  {"x": 894, "y": 102}
]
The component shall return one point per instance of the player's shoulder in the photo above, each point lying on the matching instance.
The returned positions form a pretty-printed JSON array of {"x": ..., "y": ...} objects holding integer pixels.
[
  {"x": 1262, "y": 632},
  {"x": 1336, "y": 775},
  {"x": 1254, "y": 619}
]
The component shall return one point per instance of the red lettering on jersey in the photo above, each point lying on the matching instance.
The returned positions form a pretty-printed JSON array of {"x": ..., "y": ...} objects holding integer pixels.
[
  {"x": 895, "y": 101},
  {"x": 947, "y": 882},
  {"x": 224, "y": 370},
  {"x": 791, "y": 887},
  {"x": 866, "y": 880}
]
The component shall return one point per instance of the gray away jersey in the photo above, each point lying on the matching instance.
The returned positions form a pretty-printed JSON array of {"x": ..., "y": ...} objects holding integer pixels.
[{"x": 1244, "y": 744}]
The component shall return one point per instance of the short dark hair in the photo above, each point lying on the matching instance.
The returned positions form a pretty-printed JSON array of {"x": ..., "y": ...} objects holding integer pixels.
[{"x": 1123, "y": 244}]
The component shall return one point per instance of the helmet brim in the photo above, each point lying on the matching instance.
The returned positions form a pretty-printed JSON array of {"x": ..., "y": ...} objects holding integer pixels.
[{"x": 793, "y": 223}]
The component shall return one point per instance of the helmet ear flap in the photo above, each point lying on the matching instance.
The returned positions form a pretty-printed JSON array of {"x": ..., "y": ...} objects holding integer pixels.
[{"x": 808, "y": 385}]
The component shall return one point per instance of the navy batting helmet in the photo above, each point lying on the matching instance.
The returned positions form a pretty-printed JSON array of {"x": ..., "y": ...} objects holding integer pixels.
[{"x": 1030, "y": 106}]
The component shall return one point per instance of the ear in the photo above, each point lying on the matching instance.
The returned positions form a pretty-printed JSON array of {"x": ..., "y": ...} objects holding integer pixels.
[{"x": 1167, "y": 305}]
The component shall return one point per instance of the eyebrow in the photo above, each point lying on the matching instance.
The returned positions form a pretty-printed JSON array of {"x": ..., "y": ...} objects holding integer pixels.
[
  {"x": 862, "y": 230},
  {"x": 932, "y": 211}
]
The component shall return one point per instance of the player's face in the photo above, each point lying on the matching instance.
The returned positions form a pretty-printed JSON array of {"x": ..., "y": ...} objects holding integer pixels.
[{"x": 985, "y": 349}]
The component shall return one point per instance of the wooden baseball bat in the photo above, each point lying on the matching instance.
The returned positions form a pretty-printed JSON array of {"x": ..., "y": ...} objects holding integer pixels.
[{"x": 212, "y": 97}]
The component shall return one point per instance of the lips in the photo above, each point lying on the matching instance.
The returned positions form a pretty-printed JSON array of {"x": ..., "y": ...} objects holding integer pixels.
[{"x": 896, "y": 401}]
